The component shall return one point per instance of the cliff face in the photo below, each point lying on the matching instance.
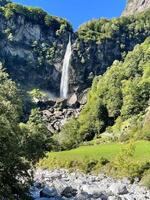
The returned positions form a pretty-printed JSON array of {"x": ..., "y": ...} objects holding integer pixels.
[
  {"x": 136, "y": 6},
  {"x": 102, "y": 41},
  {"x": 32, "y": 52},
  {"x": 33, "y": 45}
]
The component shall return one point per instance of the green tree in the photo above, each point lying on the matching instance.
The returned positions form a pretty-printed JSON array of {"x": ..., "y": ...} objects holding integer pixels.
[
  {"x": 121, "y": 93},
  {"x": 36, "y": 138},
  {"x": 13, "y": 167},
  {"x": 69, "y": 137}
]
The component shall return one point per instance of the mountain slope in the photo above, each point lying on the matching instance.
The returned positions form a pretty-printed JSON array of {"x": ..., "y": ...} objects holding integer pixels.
[
  {"x": 117, "y": 102},
  {"x": 33, "y": 45},
  {"x": 136, "y": 6},
  {"x": 121, "y": 94}
]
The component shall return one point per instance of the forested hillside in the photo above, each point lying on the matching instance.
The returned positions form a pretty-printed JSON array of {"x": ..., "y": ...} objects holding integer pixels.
[{"x": 117, "y": 102}]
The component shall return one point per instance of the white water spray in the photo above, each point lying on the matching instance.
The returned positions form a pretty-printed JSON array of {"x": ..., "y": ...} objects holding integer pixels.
[{"x": 65, "y": 72}]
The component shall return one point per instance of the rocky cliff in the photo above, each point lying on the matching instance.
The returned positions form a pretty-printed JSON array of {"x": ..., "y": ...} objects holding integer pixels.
[
  {"x": 136, "y": 6},
  {"x": 33, "y": 45}
]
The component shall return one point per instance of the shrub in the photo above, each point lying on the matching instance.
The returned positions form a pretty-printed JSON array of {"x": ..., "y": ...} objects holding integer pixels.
[
  {"x": 124, "y": 165},
  {"x": 146, "y": 132},
  {"x": 69, "y": 137},
  {"x": 145, "y": 181}
]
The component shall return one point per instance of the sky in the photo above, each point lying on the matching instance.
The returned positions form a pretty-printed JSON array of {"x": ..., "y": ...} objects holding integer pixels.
[{"x": 79, "y": 11}]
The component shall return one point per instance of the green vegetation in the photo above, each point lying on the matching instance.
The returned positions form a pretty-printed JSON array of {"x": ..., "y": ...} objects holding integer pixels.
[
  {"x": 120, "y": 30},
  {"x": 12, "y": 164},
  {"x": 37, "y": 95},
  {"x": 34, "y": 15},
  {"x": 116, "y": 110},
  {"x": 146, "y": 179},
  {"x": 36, "y": 138},
  {"x": 118, "y": 100},
  {"x": 21, "y": 144},
  {"x": 110, "y": 157}
]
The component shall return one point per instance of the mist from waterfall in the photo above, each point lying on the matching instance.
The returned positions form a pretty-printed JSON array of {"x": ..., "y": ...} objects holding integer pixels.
[{"x": 65, "y": 72}]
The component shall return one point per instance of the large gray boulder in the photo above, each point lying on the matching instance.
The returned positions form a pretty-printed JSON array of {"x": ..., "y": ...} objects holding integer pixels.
[
  {"x": 48, "y": 192},
  {"x": 118, "y": 189},
  {"x": 69, "y": 192},
  {"x": 73, "y": 101}
]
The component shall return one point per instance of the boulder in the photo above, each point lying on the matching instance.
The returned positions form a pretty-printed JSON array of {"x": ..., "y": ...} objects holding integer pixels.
[
  {"x": 57, "y": 114},
  {"x": 60, "y": 185},
  {"x": 46, "y": 104},
  {"x": 83, "y": 97},
  {"x": 69, "y": 192},
  {"x": 50, "y": 128},
  {"x": 114, "y": 198},
  {"x": 103, "y": 197},
  {"x": 61, "y": 103},
  {"x": 90, "y": 189},
  {"x": 47, "y": 113},
  {"x": 73, "y": 101},
  {"x": 48, "y": 192},
  {"x": 118, "y": 189},
  {"x": 57, "y": 126}
]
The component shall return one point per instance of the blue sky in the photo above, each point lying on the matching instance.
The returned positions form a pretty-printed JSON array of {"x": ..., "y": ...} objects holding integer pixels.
[{"x": 79, "y": 11}]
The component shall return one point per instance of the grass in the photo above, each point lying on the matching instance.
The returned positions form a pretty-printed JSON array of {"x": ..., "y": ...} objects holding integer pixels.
[{"x": 84, "y": 157}]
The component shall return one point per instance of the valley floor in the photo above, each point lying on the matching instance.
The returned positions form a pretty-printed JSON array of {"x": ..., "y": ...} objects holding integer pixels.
[
  {"x": 81, "y": 157},
  {"x": 63, "y": 185}
]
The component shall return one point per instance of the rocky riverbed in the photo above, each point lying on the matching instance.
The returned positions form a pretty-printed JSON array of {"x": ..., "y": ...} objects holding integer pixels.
[{"x": 63, "y": 185}]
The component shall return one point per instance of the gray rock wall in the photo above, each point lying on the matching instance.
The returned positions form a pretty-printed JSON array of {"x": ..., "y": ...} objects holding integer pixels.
[{"x": 136, "y": 6}]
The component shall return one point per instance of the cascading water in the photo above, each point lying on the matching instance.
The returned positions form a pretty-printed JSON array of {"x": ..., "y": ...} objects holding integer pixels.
[{"x": 65, "y": 72}]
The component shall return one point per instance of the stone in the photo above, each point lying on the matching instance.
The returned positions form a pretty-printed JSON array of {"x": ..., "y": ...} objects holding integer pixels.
[
  {"x": 83, "y": 98},
  {"x": 91, "y": 189},
  {"x": 69, "y": 192},
  {"x": 50, "y": 128},
  {"x": 114, "y": 198},
  {"x": 57, "y": 113},
  {"x": 73, "y": 101},
  {"x": 48, "y": 192},
  {"x": 57, "y": 126},
  {"x": 103, "y": 197},
  {"x": 62, "y": 185},
  {"x": 47, "y": 113},
  {"x": 61, "y": 103},
  {"x": 118, "y": 188},
  {"x": 136, "y": 6},
  {"x": 46, "y": 104}
]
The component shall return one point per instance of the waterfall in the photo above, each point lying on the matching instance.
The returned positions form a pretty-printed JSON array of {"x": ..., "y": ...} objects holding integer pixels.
[{"x": 65, "y": 72}]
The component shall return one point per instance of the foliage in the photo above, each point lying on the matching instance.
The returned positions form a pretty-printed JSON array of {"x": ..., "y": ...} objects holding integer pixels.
[
  {"x": 123, "y": 92},
  {"x": 37, "y": 95},
  {"x": 13, "y": 166},
  {"x": 68, "y": 138},
  {"x": 145, "y": 181},
  {"x": 35, "y": 15},
  {"x": 36, "y": 140},
  {"x": 123, "y": 163},
  {"x": 98, "y": 157},
  {"x": 116, "y": 30},
  {"x": 21, "y": 145}
]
